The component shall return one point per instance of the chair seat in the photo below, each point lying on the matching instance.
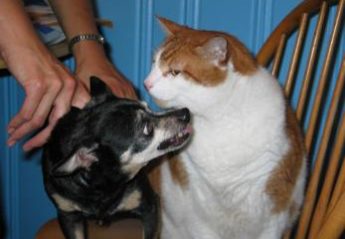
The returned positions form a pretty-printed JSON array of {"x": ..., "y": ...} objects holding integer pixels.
[{"x": 126, "y": 229}]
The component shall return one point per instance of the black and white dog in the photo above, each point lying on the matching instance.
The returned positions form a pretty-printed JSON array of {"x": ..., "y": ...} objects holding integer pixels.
[{"x": 92, "y": 162}]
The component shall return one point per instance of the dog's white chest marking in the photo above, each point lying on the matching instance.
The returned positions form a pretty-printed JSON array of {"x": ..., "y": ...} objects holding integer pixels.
[
  {"x": 65, "y": 204},
  {"x": 130, "y": 202},
  {"x": 79, "y": 234}
]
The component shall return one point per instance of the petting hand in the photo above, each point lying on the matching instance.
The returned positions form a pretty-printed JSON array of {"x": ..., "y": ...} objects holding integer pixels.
[
  {"x": 104, "y": 70},
  {"x": 49, "y": 89}
]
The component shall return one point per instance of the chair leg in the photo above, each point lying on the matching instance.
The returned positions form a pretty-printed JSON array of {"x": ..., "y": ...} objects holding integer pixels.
[{"x": 335, "y": 223}]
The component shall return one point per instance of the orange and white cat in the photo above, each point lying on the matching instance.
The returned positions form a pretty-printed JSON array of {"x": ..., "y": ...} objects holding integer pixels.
[{"x": 242, "y": 176}]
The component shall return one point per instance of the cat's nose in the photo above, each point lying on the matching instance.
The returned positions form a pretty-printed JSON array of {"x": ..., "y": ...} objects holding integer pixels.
[
  {"x": 148, "y": 85},
  {"x": 183, "y": 115}
]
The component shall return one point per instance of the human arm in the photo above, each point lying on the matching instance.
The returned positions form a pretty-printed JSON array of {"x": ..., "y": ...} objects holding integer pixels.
[
  {"x": 90, "y": 55},
  {"x": 48, "y": 86}
]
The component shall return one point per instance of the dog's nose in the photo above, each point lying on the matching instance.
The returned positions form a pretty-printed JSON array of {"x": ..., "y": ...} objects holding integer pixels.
[{"x": 183, "y": 115}]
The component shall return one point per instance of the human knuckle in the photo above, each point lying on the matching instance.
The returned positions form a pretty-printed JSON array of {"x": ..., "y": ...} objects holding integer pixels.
[
  {"x": 39, "y": 85},
  {"x": 37, "y": 121},
  {"x": 70, "y": 84},
  {"x": 24, "y": 116},
  {"x": 56, "y": 84}
]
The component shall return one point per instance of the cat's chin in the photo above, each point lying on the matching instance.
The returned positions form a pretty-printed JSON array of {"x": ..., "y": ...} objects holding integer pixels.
[
  {"x": 167, "y": 104},
  {"x": 162, "y": 103}
]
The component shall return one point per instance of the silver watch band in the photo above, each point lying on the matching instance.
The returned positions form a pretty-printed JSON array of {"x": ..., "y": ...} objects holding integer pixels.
[{"x": 85, "y": 37}]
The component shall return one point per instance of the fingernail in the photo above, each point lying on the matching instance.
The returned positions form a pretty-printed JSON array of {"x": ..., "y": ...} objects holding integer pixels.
[
  {"x": 10, "y": 130},
  {"x": 10, "y": 143},
  {"x": 26, "y": 148}
]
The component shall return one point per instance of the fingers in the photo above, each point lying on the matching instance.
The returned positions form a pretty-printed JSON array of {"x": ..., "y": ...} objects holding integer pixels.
[
  {"x": 38, "y": 118},
  {"x": 81, "y": 96},
  {"x": 62, "y": 103},
  {"x": 59, "y": 95},
  {"x": 61, "y": 106},
  {"x": 121, "y": 87},
  {"x": 108, "y": 74},
  {"x": 39, "y": 139},
  {"x": 34, "y": 94},
  {"x": 121, "y": 91},
  {"x": 130, "y": 93},
  {"x": 51, "y": 90}
]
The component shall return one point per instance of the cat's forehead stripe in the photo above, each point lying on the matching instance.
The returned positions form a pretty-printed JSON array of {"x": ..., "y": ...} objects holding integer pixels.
[{"x": 169, "y": 49}]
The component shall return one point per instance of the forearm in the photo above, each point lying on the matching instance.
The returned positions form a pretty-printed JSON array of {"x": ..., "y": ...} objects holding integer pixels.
[
  {"x": 76, "y": 17},
  {"x": 16, "y": 29}
]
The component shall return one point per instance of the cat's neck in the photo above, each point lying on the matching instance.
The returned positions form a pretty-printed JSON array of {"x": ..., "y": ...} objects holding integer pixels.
[
  {"x": 224, "y": 99},
  {"x": 240, "y": 97}
]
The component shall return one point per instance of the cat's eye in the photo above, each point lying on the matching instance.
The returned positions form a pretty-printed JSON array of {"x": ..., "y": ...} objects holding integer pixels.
[
  {"x": 148, "y": 129},
  {"x": 175, "y": 72}
]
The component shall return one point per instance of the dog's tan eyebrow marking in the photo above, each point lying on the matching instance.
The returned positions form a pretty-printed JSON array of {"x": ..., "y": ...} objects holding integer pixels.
[
  {"x": 132, "y": 168},
  {"x": 131, "y": 201},
  {"x": 125, "y": 158},
  {"x": 128, "y": 166},
  {"x": 65, "y": 204}
]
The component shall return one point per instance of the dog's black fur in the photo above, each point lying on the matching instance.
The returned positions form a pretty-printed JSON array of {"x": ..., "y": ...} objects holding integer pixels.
[{"x": 91, "y": 163}]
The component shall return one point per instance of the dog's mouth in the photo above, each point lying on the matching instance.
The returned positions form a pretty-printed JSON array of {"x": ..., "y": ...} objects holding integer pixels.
[{"x": 177, "y": 140}]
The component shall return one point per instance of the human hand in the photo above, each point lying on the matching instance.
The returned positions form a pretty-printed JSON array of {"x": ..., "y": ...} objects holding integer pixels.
[
  {"x": 49, "y": 89},
  {"x": 104, "y": 70}
]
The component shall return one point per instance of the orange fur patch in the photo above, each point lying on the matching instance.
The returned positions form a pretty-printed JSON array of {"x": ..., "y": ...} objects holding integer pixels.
[
  {"x": 154, "y": 174},
  {"x": 284, "y": 177},
  {"x": 178, "y": 171},
  {"x": 179, "y": 176},
  {"x": 155, "y": 178},
  {"x": 179, "y": 53}
]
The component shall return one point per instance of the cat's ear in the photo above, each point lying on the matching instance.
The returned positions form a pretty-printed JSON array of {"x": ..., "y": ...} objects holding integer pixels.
[
  {"x": 169, "y": 26},
  {"x": 215, "y": 50},
  {"x": 84, "y": 157}
]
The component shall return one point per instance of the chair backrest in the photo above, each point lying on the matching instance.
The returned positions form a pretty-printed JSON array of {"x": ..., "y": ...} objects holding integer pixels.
[{"x": 318, "y": 62}]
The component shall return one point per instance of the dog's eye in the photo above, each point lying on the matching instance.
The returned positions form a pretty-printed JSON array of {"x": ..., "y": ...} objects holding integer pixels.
[
  {"x": 175, "y": 72},
  {"x": 148, "y": 129}
]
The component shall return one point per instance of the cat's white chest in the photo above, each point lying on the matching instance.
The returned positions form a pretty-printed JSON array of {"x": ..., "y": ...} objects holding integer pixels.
[
  {"x": 241, "y": 138},
  {"x": 228, "y": 162},
  {"x": 216, "y": 208}
]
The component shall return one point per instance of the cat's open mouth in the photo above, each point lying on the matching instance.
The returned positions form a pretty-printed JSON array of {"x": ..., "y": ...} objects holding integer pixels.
[{"x": 177, "y": 140}]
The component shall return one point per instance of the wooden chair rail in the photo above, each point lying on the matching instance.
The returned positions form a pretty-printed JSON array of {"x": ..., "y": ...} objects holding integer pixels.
[
  {"x": 320, "y": 210},
  {"x": 288, "y": 25}
]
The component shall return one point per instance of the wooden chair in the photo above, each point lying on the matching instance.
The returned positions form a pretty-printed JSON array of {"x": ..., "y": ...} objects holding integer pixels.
[{"x": 323, "y": 213}]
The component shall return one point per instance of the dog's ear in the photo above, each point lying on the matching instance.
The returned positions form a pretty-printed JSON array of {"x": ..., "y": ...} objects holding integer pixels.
[
  {"x": 74, "y": 110},
  {"x": 84, "y": 157},
  {"x": 99, "y": 92},
  {"x": 98, "y": 87}
]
